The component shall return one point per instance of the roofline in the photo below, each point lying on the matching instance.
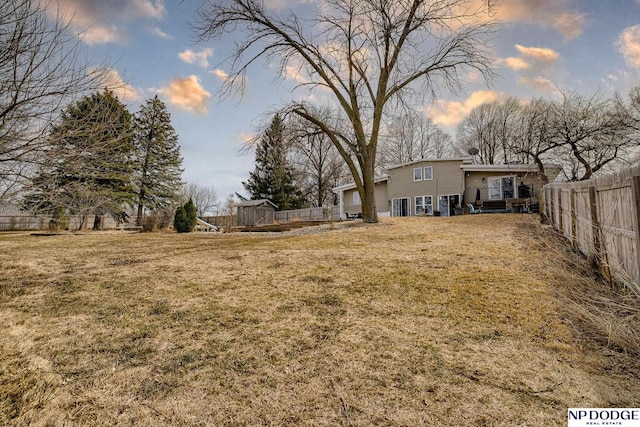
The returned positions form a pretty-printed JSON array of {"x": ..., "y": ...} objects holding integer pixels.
[
  {"x": 255, "y": 203},
  {"x": 353, "y": 184},
  {"x": 507, "y": 168},
  {"x": 450, "y": 159}
]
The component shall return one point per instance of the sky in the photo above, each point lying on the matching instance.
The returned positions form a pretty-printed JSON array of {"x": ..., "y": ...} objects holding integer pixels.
[{"x": 541, "y": 47}]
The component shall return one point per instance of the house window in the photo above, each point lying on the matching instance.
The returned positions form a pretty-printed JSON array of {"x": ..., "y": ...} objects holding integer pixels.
[
  {"x": 424, "y": 205},
  {"x": 356, "y": 198},
  {"x": 400, "y": 207},
  {"x": 502, "y": 187},
  {"x": 417, "y": 174},
  {"x": 428, "y": 173}
]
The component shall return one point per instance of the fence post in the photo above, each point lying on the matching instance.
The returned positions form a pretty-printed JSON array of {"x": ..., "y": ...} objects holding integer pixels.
[
  {"x": 595, "y": 226},
  {"x": 635, "y": 196},
  {"x": 574, "y": 217},
  {"x": 560, "y": 212}
]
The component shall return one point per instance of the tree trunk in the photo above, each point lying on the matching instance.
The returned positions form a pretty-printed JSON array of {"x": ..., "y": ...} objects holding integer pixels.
[
  {"x": 369, "y": 213},
  {"x": 139, "y": 215},
  {"x": 97, "y": 222}
]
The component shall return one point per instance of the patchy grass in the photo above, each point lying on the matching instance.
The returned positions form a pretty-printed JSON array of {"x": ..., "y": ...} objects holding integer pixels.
[{"x": 419, "y": 321}]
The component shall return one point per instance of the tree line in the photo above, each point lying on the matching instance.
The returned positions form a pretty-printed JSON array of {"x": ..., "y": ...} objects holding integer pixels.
[{"x": 582, "y": 134}]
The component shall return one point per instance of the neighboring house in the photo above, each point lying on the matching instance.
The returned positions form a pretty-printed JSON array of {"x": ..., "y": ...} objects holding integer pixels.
[{"x": 444, "y": 186}]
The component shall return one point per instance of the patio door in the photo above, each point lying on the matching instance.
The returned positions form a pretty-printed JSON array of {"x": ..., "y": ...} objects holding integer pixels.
[
  {"x": 447, "y": 202},
  {"x": 400, "y": 207}
]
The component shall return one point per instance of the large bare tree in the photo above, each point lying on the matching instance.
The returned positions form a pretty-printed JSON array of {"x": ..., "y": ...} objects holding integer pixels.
[
  {"x": 366, "y": 55},
  {"x": 41, "y": 71}
]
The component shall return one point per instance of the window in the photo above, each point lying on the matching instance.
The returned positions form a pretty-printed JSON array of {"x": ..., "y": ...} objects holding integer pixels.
[
  {"x": 400, "y": 207},
  {"x": 356, "y": 198},
  {"x": 417, "y": 174},
  {"x": 502, "y": 187},
  {"x": 428, "y": 173},
  {"x": 424, "y": 205}
]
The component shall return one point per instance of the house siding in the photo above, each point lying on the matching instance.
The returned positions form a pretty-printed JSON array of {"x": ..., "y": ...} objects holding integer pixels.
[
  {"x": 480, "y": 181},
  {"x": 382, "y": 204},
  {"x": 447, "y": 178}
]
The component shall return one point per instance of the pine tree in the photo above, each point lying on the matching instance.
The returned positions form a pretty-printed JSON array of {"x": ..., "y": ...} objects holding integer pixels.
[
  {"x": 180, "y": 222},
  {"x": 89, "y": 160},
  {"x": 158, "y": 162},
  {"x": 191, "y": 215},
  {"x": 272, "y": 177}
]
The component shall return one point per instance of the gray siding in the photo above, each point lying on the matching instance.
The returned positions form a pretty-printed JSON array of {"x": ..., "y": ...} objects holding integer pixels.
[{"x": 447, "y": 179}]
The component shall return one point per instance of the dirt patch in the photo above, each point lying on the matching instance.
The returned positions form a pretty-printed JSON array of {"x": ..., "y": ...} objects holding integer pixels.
[{"x": 417, "y": 321}]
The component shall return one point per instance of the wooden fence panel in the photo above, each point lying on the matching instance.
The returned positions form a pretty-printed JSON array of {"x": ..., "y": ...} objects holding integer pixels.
[{"x": 600, "y": 217}]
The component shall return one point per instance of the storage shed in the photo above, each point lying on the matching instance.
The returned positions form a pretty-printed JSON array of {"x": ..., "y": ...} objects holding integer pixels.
[{"x": 255, "y": 213}]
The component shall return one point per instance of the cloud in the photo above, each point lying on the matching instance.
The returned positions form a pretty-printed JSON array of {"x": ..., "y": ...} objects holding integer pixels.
[
  {"x": 113, "y": 81},
  {"x": 628, "y": 45},
  {"x": 558, "y": 14},
  {"x": 156, "y": 31},
  {"x": 200, "y": 58},
  {"x": 220, "y": 74},
  {"x": 538, "y": 53},
  {"x": 450, "y": 113},
  {"x": 516, "y": 63},
  {"x": 539, "y": 83},
  {"x": 99, "y": 21},
  {"x": 187, "y": 93}
]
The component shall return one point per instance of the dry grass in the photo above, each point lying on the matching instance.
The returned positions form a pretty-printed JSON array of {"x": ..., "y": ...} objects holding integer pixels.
[{"x": 421, "y": 321}]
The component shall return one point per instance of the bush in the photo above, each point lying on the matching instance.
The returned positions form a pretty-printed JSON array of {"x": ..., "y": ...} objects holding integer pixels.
[
  {"x": 192, "y": 216},
  {"x": 59, "y": 220},
  {"x": 180, "y": 222}
]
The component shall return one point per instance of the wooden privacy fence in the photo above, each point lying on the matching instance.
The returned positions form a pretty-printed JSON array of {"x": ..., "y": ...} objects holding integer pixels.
[
  {"x": 41, "y": 222},
  {"x": 326, "y": 213},
  {"x": 601, "y": 218}
]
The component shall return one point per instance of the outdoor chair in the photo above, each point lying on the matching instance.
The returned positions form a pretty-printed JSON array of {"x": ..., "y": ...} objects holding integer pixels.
[{"x": 473, "y": 210}]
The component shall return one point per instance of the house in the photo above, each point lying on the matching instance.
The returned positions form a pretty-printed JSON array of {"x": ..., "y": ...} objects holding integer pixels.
[
  {"x": 255, "y": 213},
  {"x": 445, "y": 186}
]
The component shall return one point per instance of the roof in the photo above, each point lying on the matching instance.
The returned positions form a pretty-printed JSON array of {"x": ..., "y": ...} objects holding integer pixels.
[
  {"x": 352, "y": 185},
  {"x": 518, "y": 167},
  {"x": 464, "y": 160},
  {"x": 256, "y": 203}
]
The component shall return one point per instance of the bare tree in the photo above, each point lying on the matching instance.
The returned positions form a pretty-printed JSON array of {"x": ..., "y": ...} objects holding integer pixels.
[
  {"x": 318, "y": 167},
  {"x": 204, "y": 197},
  {"x": 411, "y": 136},
  {"x": 367, "y": 54},
  {"x": 593, "y": 131},
  {"x": 40, "y": 72}
]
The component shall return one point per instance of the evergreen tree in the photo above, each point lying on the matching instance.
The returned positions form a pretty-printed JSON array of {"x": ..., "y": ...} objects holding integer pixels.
[
  {"x": 272, "y": 178},
  {"x": 191, "y": 215},
  {"x": 158, "y": 162},
  {"x": 180, "y": 222},
  {"x": 89, "y": 163}
]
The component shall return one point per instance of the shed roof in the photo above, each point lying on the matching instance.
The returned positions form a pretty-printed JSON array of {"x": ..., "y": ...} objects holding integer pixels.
[{"x": 256, "y": 203}]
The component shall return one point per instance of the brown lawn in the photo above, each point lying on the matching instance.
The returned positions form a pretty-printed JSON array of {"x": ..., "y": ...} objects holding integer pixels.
[{"x": 459, "y": 321}]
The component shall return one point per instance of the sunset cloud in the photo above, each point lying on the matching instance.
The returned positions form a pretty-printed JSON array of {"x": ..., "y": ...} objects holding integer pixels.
[
  {"x": 628, "y": 44},
  {"x": 539, "y": 83},
  {"x": 558, "y": 14},
  {"x": 187, "y": 93},
  {"x": 200, "y": 58},
  {"x": 101, "y": 22},
  {"x": 516, "y": 63},
  {"x": 450, "y": 113},
  {"x": 538, "y": 53},
  {"x": 125, "y": 92},
  {"x": 220, "y": 74}
]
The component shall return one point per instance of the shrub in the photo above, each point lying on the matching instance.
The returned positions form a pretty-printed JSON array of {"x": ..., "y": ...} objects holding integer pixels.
[
  {"x": 190, "y": 212},
  {"x": 59, "y": 220},
  {"x": 180, "y": 222}
]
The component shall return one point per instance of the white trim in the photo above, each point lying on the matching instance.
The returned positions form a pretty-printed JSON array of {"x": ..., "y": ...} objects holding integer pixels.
[
  {"x": 424, "y": 173},
  {"x": 414, "y": 174}
]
